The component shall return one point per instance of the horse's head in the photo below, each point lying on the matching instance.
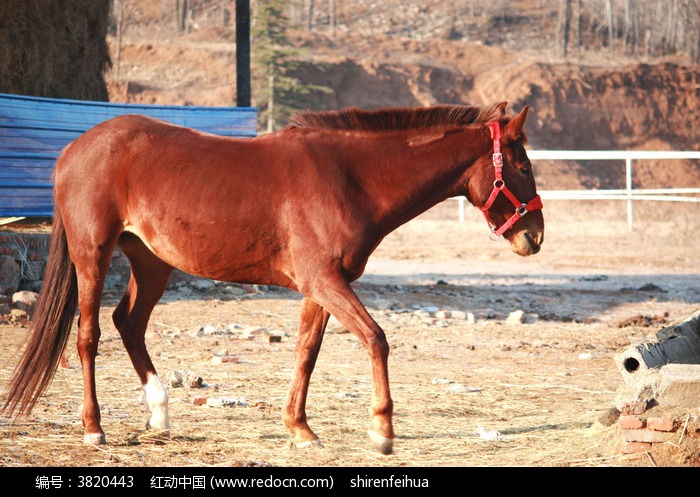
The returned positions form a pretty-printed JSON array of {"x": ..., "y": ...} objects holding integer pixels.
[{"x": 503, "y": 185}]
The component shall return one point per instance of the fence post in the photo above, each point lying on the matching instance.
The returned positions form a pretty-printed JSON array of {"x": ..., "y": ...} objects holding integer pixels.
[{"x": 628, "y": 181}]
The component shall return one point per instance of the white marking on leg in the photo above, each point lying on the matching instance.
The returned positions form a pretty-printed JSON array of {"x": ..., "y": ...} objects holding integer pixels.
[
  {"x": 94, "y": 439},
  {"x": 380, "y": 442},
  {"x": 156, "y": 399},
  {"x": 308, "y": 443}
]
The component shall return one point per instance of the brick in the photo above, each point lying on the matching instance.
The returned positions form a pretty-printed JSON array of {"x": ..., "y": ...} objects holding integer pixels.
[
  {"x": 646, "y": 435},
  {"x": 634, "y": 447},
  {"x": 660, "y": 424},
  {"x": 631, "y": 423}
]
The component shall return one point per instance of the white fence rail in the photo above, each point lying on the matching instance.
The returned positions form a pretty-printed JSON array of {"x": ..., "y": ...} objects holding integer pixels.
[{"x": 628, "y": 194}]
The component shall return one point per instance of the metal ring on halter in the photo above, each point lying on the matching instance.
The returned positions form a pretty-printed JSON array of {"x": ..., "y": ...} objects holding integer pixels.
[
  {"x": 493, "y": 235},
  {"x": 522, "y": 210},
  {"x": 499, "y": 184}
]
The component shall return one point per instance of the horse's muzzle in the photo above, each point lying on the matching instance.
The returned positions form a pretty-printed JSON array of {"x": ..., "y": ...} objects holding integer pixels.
[{"x": 526, "y": 242}]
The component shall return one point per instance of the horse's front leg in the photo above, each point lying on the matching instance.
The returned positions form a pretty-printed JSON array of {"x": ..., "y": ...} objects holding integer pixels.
[
  {"x": 311, "y": 328},
  {"x": 336, "y": 296}
]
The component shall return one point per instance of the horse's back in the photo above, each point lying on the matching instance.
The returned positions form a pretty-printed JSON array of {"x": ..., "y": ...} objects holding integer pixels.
[{"x": 189, "y": 196}]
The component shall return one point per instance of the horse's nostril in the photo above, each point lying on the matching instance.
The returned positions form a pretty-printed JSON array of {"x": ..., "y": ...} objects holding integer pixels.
[{"x": 534, "y": 246}]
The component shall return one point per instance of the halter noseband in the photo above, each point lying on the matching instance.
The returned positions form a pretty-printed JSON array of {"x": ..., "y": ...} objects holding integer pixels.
[{"x": 499, "y": 186}]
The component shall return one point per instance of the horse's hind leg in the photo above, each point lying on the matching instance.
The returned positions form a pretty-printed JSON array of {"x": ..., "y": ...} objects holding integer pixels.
[
  {"x": 311, "y": 327},
  {"x": 149, "y": 277},
  {"x": 91, "y": 266}
]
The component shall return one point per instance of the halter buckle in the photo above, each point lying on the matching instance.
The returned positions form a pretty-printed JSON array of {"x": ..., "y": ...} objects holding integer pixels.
[
  {"x": 522, "y": 210},
  {"x": 498, "y": 159}
]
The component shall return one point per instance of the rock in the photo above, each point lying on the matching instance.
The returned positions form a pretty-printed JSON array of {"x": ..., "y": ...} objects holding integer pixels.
[
  {"x": 459, "y": 388},
  {"x": 202, "y": 284},
  {"x": 442, "y": 381},
  {"x": 25, "y": 300},
  {"x": 516, "y": 317},
  {"x": 250, "y": 332},
  {"x": 224, "y": 358},
  {"x": 234, "y": 290},
  {"x": 609, "y": 417},
  {"x": 179, "y": 378},
  {"x": 226, "y": 402},
  {"x": 491, "y": 435},
  {"x": 18, "y": 316}
]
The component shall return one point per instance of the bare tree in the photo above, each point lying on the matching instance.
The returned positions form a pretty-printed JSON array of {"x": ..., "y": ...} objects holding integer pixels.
[
  {"x": 610, "y": 21},
  {"x": 331, "y": 16},
  {"x": 564, "y": 26},
  {"x": 309, "y": 14},
  {"x": 120, "y": 22}
]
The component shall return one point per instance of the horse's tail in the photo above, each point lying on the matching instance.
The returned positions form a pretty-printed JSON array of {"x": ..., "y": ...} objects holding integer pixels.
[{"x": 51, "y": 324}]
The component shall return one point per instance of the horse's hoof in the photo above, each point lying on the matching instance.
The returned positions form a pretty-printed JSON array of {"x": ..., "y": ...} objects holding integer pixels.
[
  {"x": 307, "y": 443},
  {"x": 159, "y": 433},
  {"x": 381, "y": 443},
  {"x": 94, "y": 439}
]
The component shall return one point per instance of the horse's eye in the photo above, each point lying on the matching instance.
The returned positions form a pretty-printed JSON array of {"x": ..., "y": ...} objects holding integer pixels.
[{"x": 525, "y": 170}]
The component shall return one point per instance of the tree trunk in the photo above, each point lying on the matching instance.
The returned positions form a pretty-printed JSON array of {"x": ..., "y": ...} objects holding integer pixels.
[
  {"x": 610, "y": 21},
  {"x": 309, "y": 15},
  {"x": 331, "y": 16},
  {"x": 120, "y": 17},
  {"x": 564, "y": 26},
  {"x": 271, "y": 101}
]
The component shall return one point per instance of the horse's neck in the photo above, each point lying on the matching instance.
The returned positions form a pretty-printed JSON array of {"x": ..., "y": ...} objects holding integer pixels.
[{"x": 419, "y": 176}]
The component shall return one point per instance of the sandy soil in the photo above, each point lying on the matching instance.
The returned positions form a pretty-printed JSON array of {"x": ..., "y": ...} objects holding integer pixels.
[{"x": 547, "y": 385}]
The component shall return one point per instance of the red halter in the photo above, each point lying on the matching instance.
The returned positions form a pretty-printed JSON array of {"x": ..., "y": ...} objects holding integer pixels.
[{"x": 499, "y": 186}]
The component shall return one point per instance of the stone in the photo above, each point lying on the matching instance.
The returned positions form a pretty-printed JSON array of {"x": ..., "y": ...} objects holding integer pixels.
[
  {"x": 516, "y": 317},
  {"x": 25, "y": 300}
]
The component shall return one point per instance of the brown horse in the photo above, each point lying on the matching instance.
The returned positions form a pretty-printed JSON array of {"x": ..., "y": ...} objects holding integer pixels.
[{"x": 301, "y": 208}]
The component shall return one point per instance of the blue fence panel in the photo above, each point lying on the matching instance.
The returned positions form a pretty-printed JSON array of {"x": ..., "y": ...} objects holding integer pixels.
[{"x": 34, "y": 130}]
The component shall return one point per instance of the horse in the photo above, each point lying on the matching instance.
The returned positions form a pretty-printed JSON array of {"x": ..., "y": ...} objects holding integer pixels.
[{"x": 303, "y": 208}]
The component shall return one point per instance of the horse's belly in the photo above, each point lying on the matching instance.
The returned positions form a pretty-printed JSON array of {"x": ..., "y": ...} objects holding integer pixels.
[{"x": 224, "y": 259}]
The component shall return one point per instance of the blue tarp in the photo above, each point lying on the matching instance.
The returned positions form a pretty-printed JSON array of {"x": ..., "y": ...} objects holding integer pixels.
[{"x": 34, "y": 130}]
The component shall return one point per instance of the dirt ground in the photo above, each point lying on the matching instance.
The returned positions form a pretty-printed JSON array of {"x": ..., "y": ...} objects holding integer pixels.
[{"x": 547, "y": 385}]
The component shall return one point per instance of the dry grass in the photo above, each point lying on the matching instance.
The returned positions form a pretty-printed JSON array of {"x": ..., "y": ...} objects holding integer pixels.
[{"x": 529, "y": 381}]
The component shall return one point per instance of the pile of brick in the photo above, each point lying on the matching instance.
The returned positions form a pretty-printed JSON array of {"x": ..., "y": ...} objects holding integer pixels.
[
  {"x": 640, "y": 432},
  {"x": 23, "y": 261},
  {"x": 660, "y": 400}
]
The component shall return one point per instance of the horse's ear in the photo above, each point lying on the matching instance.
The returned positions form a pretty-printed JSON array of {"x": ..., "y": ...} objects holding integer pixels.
[
  {"x": 417, "y": 141},
  {"x": 515, "y": 129},
  {"x": 501, "y": 108}
]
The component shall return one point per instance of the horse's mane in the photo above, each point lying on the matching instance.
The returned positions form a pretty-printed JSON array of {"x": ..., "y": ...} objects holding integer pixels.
[{"x": 395, "y": 118}]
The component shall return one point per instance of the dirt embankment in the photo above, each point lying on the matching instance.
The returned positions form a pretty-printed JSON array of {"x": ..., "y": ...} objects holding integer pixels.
[{"x": 597, "y": 105}]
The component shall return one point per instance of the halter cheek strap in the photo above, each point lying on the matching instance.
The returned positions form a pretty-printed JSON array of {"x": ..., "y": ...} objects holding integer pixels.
[{"x": 499, "y": 186}]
